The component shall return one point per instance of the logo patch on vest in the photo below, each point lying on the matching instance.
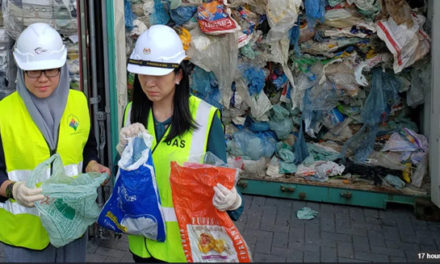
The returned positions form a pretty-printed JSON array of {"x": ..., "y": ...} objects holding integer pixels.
[
  {"x": 176, "y": 143},
  {"x": 73, "y": 122}
]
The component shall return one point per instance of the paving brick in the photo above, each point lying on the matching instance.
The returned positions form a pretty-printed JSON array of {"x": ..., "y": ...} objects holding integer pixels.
[
  {"x": 110, "y": 259},
  {"x": 328, "y": 236},
  {"x": 373, "y": 220},
  {"x": 369, "y": 212},
  {"x": 283, "y": 216},
  {"x": 366, "y": 227},
  {"x": 283, "y": 252},
  {"x": 376, "y": 239},
  {"x": 347, "y": 260},
  {"x": 345, "y": 249},
  {"x": 357, "y": 229},
  {"x": 388, "y": 251},
  {"x": 250, "y": 236},
  {"x": 328, "y": 224},
  {"x": 406, "y": 229},
  {"x": 311, "y": 232},
  {"x": 296, "y": 233},
  {"x": 280, "y": 240},
  {"x": 402, "y": 245},
  {"x": 391, "y": 233},
  {"x": 342, "y": 213},
  {"x": 258, "y": 257},
  {"x": 327, "y": 209},
  {"x": 95, "y": 258},
  {"x": 370, "y": 256},
  {"x": 427, "y": 237},
  {"x": 254, "y": 219},
  {"x": 296, "y": 245},
  {"x": 429, "y": 248},
  {"x": 114, "y": 253},
  {"x": 328, "y": 254},
  {"x": 268, "y": 216},
  {"x": 297, "y": 204},
  {"x": 412, "y": 255},
  {"x": 312, "y": 246},
  {"x": 264, "y": 242},
  {"x": 295, "y": 257},
  {"x": 356, "y": 215},
  {"x": 398, "y": 259},
  {"x": 312, "y": 256},
  {"x": 279, "y": 203},
  {"x": 247, "y": 201},
  {"x": 409, "y": 238},
  {"x": 126, "y": 258},
  {"x": 347, "y": 229},
  {"x": 257, "y": 202},
  {"x": 361, "y": 243}
]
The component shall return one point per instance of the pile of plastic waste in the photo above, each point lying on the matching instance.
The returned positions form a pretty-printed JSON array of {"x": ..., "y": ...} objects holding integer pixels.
[{"x": 313, "y": 89}]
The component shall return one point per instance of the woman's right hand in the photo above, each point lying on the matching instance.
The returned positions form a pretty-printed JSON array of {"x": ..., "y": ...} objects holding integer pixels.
[{"x": 127, "y": 132}]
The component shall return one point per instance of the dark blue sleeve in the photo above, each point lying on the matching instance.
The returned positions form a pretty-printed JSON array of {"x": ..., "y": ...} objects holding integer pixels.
[
  {"x": 3, "y": 173},
  {"x": 90, "y": 151},
  {"x": 217, "y": 145},
  {"x": 216, "y": 139},
  {"x": 235, "y": 214}
]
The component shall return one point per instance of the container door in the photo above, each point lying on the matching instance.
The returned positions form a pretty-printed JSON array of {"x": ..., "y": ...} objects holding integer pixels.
[{"x": 434, "y": 138}]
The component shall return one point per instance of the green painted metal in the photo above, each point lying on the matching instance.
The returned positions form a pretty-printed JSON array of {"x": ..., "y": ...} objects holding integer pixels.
[
  {"x": 309, "y": 192},
  {"x": 112, "y": 75}
]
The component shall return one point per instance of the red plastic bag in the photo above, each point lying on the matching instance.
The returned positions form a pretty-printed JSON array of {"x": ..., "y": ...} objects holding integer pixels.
[{"x": 208, "y": 235}]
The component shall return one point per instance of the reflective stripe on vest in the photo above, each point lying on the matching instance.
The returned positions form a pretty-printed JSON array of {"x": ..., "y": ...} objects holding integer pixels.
[
  {"x": 191, "y": 144},
  {"x": 24, "y": 148},
  {"x": 169, "y": 214},
  {"x": 22, "y": 175}
]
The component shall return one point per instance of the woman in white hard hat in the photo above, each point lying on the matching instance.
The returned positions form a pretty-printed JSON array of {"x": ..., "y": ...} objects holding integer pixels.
[
  {"x": 182, "y": 126},
  {"x": 41, "y": 118}
]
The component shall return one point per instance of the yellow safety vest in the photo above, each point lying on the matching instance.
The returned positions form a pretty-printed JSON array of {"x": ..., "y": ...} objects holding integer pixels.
[
  {"x": 192, "y": 144},
  {"x": 24, "y": 148}
]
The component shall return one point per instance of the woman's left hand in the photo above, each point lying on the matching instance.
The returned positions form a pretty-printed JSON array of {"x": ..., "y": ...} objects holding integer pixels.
[{"x": 94, "y": 166}]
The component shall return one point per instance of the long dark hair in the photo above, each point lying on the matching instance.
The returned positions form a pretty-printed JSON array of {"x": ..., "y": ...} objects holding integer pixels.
[{"x": 181, "y": 121}]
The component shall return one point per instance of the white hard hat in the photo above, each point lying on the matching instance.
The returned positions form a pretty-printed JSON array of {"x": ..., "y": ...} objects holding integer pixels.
[
  {"x": 39, "y": 47},
  {"x": 158, "y": 51}
]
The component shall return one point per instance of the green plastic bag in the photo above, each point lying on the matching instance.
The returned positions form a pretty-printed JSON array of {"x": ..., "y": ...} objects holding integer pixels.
[{"x": 70, "y": 204}]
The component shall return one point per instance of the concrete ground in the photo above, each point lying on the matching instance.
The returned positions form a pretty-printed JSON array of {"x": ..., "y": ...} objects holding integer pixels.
[{"x": 337, "y": 234}]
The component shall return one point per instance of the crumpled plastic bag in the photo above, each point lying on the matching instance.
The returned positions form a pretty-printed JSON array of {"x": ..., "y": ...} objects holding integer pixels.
[
  {"x": 134, "y": 206},
  {"x": 306, "y": 213},
  {"x": 395, "y": 181},
  {"x": 273, "y": 168},
  {"x": 217, "y": 54},
  {"x": 406, "y": 140},
  {"x": 252, "y": 145},
  {"x": 281, "y": 16},
  {"x": 407, "y": 43},
  {"x": 70, "y": 205}
]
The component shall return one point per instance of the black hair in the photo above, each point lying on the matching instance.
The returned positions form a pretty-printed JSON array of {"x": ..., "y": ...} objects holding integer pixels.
[{"x": 182, "y": 120}]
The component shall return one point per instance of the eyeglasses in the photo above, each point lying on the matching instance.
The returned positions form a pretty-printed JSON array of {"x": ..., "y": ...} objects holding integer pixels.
[{"x": 49, "y": 73}]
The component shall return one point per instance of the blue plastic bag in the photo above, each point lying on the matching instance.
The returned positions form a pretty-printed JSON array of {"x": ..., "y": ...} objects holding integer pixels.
[{"x": 134, "y": 206}]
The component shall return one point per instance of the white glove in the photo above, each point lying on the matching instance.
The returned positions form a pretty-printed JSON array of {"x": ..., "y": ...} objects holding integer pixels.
[
  {"x": 225, "y": 199},
  {"x": 26, "y": 196},
  {"x": 128, "y": 132}
]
